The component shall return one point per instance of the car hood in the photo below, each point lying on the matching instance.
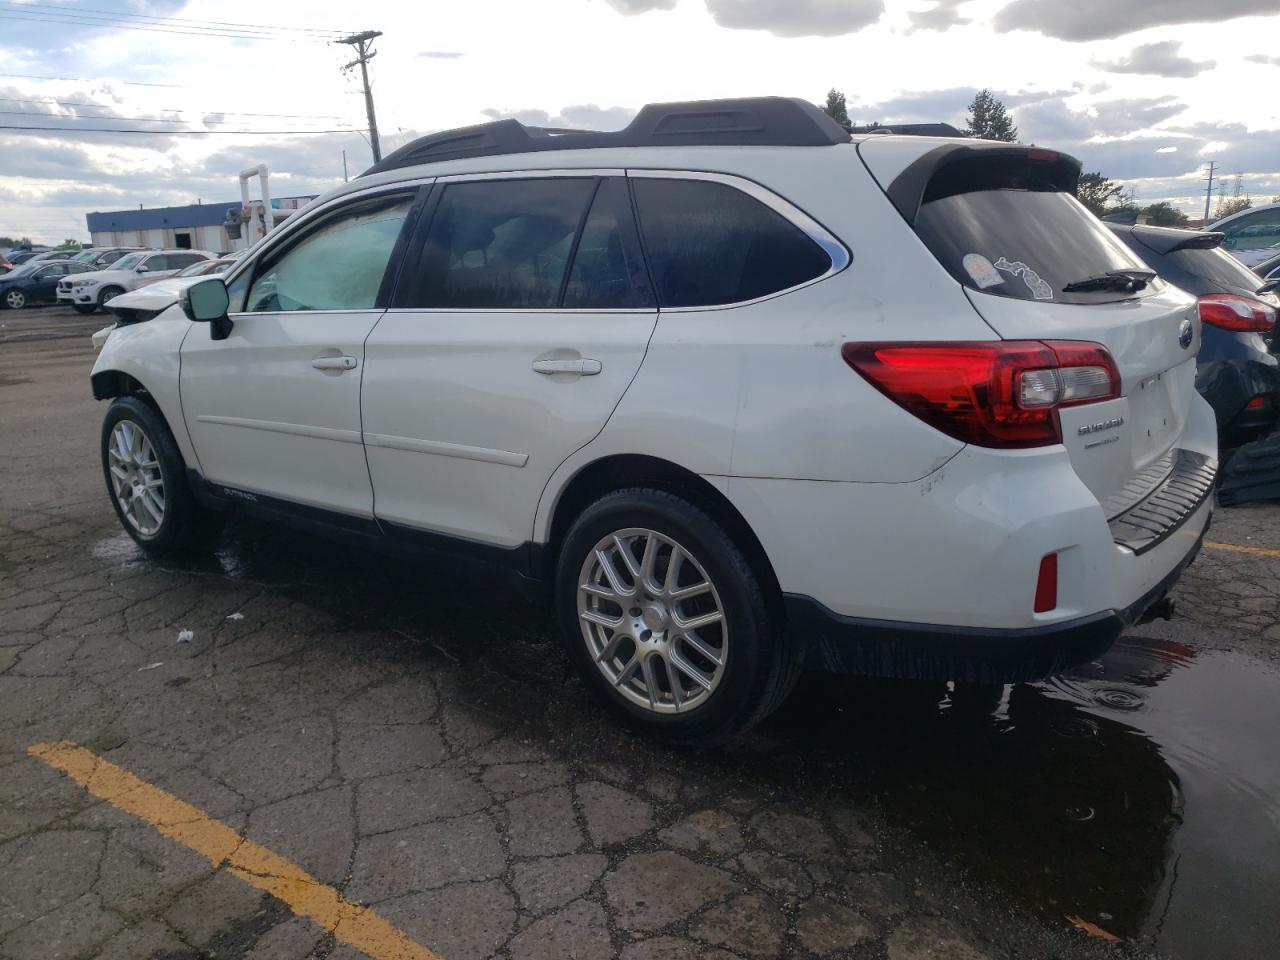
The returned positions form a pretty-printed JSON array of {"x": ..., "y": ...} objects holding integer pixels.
[{"x": 154, "y": 296}]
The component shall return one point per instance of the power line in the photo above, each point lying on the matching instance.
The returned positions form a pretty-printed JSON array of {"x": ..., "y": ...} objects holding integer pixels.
[
  {"x": 227, "y": 113},
  {"x": 65, "y": 20},
  {"x": 132, "y": 83},
  {"x": 174, "y": 133},
  {"x": 55, "y": 116},
  {"x": 177, "y": 20}
]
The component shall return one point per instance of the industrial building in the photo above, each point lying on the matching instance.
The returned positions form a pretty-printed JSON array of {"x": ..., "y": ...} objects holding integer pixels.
[{"x": 198, "y": 226}]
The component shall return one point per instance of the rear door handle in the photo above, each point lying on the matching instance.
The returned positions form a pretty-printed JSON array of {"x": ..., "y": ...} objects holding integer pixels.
[
  {"x": 583, "y": 367},
  {"x": 334, "y": 363}
]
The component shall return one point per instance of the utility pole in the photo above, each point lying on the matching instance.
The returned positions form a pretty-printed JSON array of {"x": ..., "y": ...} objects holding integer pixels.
[
  {"x": 361, "y": 42},
  {"x": 1208, "y": 193}
]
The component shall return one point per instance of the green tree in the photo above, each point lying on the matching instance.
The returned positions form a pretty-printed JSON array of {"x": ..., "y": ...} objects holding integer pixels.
[
  {"x": 988, "y": 119},
  {"x": 1164, "y": 214},
  {"x": 836, "y": 108},
  {"x": 1099, "y": 193},
  {"x": 14, "y": 241},
  {"x": 70, "y": 244},
  {"x": 1229, "y": 205}
]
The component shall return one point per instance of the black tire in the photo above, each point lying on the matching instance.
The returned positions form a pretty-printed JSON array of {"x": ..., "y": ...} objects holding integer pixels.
[
  {"x": 761, "y": 662},
  {"x": 107, "y": 294},
  {"x": 86, "y": 308},
  {"x": 186, "y": 526},
  {"x": 15, "y": 293}
]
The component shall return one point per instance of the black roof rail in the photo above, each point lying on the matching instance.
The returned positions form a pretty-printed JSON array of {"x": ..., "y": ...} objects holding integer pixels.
[
  {"x": 910, "y": 129},
  {"x": 748, "y": 121}
]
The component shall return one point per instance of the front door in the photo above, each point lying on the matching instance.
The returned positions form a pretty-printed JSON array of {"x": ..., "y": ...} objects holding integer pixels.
[
  {"x": 523, "y": 315},
  {"x": 274, "y": 409}
]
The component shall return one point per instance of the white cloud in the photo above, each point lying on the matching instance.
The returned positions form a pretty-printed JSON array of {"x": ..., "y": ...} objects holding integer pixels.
[
  {"x": 1099, "y": 19},
  {"x": 797, "y": 18},
  {"x": 1163, "y": 59}
]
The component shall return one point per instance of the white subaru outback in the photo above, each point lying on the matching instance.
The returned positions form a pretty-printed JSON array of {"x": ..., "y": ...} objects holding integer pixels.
[{"x": 748, "y": 392}]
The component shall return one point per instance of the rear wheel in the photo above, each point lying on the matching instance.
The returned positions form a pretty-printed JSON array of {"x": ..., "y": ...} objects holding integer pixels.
[
  {"x": 86, "y": 308},
  {"x": 15, "y": 299},
  {"x": 147, "y": 481},
  {"x": 107, "y": 294},
  {"x": 666, "y": 620}
]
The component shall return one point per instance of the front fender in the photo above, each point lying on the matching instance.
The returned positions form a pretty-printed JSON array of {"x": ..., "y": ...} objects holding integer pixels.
[{"x": 148, "y": 356}]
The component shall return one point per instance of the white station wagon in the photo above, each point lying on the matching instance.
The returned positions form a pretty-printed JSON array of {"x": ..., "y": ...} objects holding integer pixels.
[{"x": 748, "y": 392}]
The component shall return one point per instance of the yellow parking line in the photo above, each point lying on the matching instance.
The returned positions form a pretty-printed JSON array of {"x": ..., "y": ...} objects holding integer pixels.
[
  {"x": 349, "y": 922},
  {"x": 1236, "y": 548}
]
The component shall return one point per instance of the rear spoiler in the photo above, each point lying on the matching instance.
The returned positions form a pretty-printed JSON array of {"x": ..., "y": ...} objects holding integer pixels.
[
  {"x": 908, "y": 189},
  {"x": 1164, "y": 240}
]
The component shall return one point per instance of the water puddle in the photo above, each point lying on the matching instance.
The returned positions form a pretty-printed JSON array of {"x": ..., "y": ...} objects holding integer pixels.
[{"x": 1140, "y": 792}]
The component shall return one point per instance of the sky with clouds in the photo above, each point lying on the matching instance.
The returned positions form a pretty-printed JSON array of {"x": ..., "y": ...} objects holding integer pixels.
[{"x": 1145, "y": 91}]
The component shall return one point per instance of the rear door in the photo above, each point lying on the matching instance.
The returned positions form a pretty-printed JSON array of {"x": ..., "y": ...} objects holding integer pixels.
[
  {"x": 522, "y": 316},
  {"x": 1007, "y": 227},
  {"x": 274, "y": 409}
]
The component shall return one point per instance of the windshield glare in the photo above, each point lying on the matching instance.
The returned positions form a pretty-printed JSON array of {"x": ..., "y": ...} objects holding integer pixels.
[{"x": 127, "y": 263}]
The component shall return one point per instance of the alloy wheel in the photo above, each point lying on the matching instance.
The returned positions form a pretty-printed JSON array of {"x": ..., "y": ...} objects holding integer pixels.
[
  {"x": 137, "y": 482},
  {"x": 652, "y": 620},
  {"x": 15, "y": 299}
]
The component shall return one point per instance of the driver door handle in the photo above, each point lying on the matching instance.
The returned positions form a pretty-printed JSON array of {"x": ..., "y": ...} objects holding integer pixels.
[
  {"x": 334, "y": 363},
  {"x": 583, "y": 367}
]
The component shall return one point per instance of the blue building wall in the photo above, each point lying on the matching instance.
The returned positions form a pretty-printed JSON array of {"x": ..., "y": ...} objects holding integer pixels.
[{"x": 160, "y": 218}]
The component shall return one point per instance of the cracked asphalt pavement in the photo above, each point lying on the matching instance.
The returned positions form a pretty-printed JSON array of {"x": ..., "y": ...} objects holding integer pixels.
[{"x": 409, "y": 736}]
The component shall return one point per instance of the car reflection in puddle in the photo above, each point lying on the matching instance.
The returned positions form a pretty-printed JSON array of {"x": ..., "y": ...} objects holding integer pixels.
[{"x": 1140, "y": 792}]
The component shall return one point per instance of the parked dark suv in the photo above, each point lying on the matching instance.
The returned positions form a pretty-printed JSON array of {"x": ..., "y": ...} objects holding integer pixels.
[{"x": 1236, "y": 367}]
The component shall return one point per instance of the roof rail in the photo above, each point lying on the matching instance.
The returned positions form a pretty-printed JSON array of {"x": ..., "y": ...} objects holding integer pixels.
[
  {"x": 748, "y": 121},
  {"x": 910, "y": 129}
]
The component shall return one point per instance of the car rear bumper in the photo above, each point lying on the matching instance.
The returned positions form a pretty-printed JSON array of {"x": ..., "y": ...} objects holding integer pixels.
[{"x": 885, "y": 648}]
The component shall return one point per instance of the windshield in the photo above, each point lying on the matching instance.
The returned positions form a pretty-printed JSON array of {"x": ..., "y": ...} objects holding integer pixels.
[
  {"x": 127, "y": 263},
  {"x": 23, "y": 270},
  {"x": 1025, "y": 242}
]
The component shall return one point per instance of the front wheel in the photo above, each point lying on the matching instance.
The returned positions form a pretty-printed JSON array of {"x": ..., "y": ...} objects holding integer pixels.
[
  {"x": 147, "y": 482},
  {"x": 109, "y": 294},
  {"x": 666, "y": 619},
  {"x": 86, "y": 308},
  {"x": 15, "y": 299}
]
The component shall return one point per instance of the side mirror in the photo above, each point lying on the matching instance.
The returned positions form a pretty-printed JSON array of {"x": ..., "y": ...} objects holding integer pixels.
[{"x": 207, "y": 302}]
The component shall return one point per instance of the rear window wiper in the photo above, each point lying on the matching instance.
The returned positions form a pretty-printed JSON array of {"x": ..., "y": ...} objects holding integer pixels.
[{"x": 1112, "y": 280}]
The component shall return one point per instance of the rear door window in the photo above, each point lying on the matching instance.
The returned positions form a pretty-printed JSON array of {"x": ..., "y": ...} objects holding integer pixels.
[
  {"x": 607, "y": 271},
  {"x": 709, "y": 244},
  {"x": 1000, "y": 229},
  {"x": 501, "y": 244}
]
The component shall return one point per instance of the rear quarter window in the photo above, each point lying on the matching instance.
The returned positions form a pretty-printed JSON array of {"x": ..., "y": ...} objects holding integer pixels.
[{"x": 709, "y": 244}]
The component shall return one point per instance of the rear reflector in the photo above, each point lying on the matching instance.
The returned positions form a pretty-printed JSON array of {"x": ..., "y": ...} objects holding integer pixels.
[
  {"x": 1047, "y": 584},
  {"x": 1229, "y": 311},
  {"x": 998, "y": 393}
]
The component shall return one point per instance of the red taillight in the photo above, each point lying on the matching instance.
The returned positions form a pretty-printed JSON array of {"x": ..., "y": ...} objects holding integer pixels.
[
  {"x": 1047, "y": 584},
  {"x": 1256, "y": 403},
  {"x": 999, "y": 393},
  {"x": 1230, "y": 311}
]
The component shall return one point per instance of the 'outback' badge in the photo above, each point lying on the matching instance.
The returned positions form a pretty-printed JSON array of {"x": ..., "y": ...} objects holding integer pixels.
[{"x": 1186, "y": 333}]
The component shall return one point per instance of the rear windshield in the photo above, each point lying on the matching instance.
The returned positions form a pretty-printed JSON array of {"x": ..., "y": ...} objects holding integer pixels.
[
  {"x": 1022, "y": 242},
  {"x": 1217, "y": 266}
]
